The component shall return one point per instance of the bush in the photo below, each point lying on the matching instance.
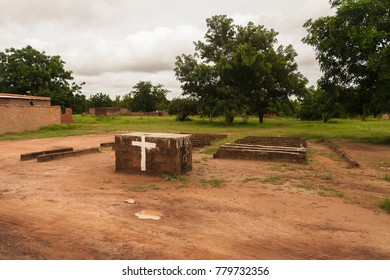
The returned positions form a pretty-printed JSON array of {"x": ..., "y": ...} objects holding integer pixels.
[
  {"x": 385, "y": 205},
  {"x": 183, "y": 108}
]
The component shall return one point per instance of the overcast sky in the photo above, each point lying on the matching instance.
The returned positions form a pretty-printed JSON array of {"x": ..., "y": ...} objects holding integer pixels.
[{"x": 113, "y": 44}]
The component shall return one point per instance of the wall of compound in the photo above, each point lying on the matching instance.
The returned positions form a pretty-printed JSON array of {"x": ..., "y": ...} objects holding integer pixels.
[{"x": 22, "y": 118}]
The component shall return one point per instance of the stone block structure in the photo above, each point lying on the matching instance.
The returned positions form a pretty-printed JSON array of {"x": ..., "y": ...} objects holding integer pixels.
[
  {"x": 283, "y": 149},
  {"x": 153, "y": 153}
]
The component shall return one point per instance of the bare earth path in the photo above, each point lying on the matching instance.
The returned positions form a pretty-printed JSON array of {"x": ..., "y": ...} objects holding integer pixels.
[{"x": 74, "y": 208}]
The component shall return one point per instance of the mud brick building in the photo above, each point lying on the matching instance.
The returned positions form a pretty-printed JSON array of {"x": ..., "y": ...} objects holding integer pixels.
[
  {"x": 23, "y": 112},
  {"x": 153, "y": 153}
]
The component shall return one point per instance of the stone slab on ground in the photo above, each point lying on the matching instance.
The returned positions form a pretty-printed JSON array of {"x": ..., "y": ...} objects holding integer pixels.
[
  {"x": 153, "y": 153},
  {"x": 149, "y": 215}
]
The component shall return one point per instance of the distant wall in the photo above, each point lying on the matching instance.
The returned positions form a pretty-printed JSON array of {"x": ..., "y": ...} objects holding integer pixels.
[
  {"x": 22, "y": 118},
  {"x": 67, "y": 117}
]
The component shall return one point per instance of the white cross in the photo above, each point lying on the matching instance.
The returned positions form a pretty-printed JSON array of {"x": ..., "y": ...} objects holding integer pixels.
[{"x": 144, "y": 145}]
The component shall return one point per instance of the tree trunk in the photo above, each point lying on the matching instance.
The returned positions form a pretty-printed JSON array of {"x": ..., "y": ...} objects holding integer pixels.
[{"x": 261, "y": 117}]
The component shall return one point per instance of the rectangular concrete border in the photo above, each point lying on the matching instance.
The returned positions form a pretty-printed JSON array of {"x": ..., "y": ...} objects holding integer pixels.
[
  {"x": 44, "y": 158},
  {"x": 343, "y": 154},
  {"x": 34, "y": 155}
]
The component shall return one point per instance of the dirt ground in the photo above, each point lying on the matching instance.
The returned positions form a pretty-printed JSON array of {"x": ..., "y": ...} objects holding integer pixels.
[{"x": 74, "y": 208}]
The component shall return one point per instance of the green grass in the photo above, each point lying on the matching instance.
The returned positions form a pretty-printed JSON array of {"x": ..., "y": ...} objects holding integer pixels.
[
  {"x": 374, "y": 131},
  {"x": 214, "y": 183},
  {"x": 274, "y": 180},
  {"x": 387, "y": 177},
  {"x": 142, "y": 188},
  {"x": 385, "y": 205}
]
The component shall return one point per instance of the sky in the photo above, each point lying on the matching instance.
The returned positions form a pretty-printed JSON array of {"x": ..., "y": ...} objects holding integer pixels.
[{"x": 113, "y": 44}]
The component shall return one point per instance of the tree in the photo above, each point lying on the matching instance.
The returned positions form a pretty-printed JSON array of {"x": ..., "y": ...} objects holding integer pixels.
[
  {"x": 318, "y": 105},
  {"x": 28, "y": 71},
  {"x": 100, "y": 100},
  {"x": 353, "y": 49},
  {"x": 183, "y": 108},
  {"x": 148, "y": 98},
  {"x": 238, "y": 69}
]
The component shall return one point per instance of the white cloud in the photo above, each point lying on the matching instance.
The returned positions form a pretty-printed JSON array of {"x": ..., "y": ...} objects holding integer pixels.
[{"x": 111, "y": 45}]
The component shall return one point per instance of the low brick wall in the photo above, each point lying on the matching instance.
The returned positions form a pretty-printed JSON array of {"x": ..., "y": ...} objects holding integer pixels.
[
  {"x": 21, "y": 118},
  {"x": 153, "y": 153}
]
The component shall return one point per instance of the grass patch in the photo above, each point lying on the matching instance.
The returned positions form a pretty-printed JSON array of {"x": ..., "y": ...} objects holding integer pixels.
[
  {"x": 387, "y": 177},
  {"x": 326, "y": 191},
  {"x": 307, "y": 186},
  {"x": 372, "y": 130},
  {"x": 385, "y": 205},
  {"x": 251, "y": 179},
  {"x": 184, "y": 186},
  {"x": 142, "y": 188},
  {"x": 274, "y": 180},
  {"x": 321, "y": 190},
  {"x": 214, "y": 183},
  {"x": 174, "y": 178},
  {"x": 283, "y": 167}
]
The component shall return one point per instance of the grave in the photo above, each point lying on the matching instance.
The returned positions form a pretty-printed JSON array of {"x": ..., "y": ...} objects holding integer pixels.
[
  {"x": 153, "y": 153},
  {"x": 283, "y": 149}
]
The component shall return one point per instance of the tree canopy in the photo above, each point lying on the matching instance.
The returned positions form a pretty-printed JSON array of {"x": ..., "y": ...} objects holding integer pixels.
[
  {"x": 238, "y": 69},
  {"x": 353, "y": 49},
  {"x": 28, "y": 71},
  {"x": 100, "y": 100},
  {"x": 148, "y": 97}
]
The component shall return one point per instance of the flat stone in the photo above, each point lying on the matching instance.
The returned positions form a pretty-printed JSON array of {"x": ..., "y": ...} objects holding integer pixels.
[
  {"x": 149, "y": 215},
  {"x": 130, "y": 201}
]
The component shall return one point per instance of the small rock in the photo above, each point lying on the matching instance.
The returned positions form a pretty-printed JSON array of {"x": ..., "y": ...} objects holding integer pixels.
[
  {"x": 149, "y": 215},
  {"x": 130, "y": 201}
]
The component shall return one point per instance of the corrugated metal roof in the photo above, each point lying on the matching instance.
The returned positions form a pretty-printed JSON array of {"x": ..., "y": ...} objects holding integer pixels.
[{"x": 22, "y": 96}]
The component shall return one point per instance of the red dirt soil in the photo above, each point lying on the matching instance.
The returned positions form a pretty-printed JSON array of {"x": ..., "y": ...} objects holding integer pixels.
[{"x": 74, "y": 208}]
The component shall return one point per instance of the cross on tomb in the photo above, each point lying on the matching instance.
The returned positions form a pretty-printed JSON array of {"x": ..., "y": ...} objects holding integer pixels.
[{"x": 144, "y": 145}]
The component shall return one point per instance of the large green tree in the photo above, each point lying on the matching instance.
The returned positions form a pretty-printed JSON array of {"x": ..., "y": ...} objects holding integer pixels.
[
  {"x": 100, "y": 100},
  {"x": 148, "y": 97},
  {"x": 238, "y": 69},
  {"x": 353, "y": 49},
  {"x": 28, "y": 71}
]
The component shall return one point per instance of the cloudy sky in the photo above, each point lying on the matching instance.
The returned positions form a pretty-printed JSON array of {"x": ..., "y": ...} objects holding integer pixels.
[{"x": 113, "y": 44}]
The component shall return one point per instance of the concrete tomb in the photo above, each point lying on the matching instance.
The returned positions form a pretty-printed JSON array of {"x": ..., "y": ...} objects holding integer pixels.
[
  {"x": 153, "y": 153},
  {"x": 283, "y": 149}
]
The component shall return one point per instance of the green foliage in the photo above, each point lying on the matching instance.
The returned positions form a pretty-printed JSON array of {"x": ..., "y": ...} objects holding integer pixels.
[
  {"x": 385, "y": 205},
  {"x": 183, "y": 108},
  {"x": 100, "y": 100},
  {"x": 318, "y": 105},
  {"x": 353, "y": 49},
  {"x": 28, "y": 71},
  {"x": 387, "y": 177},
  {"x": 148, "y": 98},
  {"x": 238, "y": 70}
]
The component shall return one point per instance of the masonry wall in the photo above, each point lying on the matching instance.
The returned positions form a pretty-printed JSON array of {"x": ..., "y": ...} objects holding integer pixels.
[{"x": 22, "y": 118}]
